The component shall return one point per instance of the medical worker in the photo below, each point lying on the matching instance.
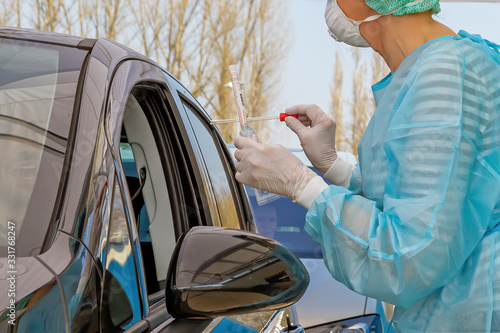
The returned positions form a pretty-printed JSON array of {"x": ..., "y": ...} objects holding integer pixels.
[{"x": 416, "y": 223}]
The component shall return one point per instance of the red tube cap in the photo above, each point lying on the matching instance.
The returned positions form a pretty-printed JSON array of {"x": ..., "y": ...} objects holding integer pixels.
[{"x": 284, "y": 115}]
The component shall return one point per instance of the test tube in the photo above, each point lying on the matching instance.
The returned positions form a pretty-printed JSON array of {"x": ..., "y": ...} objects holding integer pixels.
[
  {"x": 238, "y": 96},
  {"x": 261, "y": 196},
  {"x": 246, "y": 130}
]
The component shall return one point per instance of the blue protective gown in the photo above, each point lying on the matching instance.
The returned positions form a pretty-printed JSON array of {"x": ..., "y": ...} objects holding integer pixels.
[{"x": 419, "y": 225}]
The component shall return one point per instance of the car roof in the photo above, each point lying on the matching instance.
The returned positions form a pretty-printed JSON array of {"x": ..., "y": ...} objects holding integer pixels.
[
  {"x": 40, "y": 36},
  {"x": 65, "y": 40}
]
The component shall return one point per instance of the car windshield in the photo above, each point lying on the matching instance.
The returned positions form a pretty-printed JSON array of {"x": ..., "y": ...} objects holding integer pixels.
[
  {"x": 283, "y": 220},
  {"x": 38, "y": 83}
]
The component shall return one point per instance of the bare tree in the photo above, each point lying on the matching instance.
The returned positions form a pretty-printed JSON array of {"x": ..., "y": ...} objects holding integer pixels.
[
  {"x": 337, "y": 106},
  {"x": 353, "y": 117},
  {"x": 10, "y": 13},
  {"x": 88, "y": 18},
  {"x": 245, "y": 33},
  {"x": 227, "y": 28},
  {"x": 78, "y": 17},
  {"x": 106, "y": 18},
  {"x": 48, "y": 14},
  {"x": 361, "y": 112},
  {"x": 262, "y": 64},
  {"x": 169, "y": 32},
  {"x": 149, "y": 20},
  {"x": 83, "y": 16},
  {"x": 196, "y": 40},
  {"x": 113, "y": 13},
  {"x": 180, "y": 18},
  {"x": 203, "y": 47}
]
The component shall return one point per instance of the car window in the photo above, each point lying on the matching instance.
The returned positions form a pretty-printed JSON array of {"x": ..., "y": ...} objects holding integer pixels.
[
  {"x": 218, "y": 172},
  {"x": 120, "y": 294},
  {"x": 38, "y": 84},
  {"x": 149, "y": 194}
]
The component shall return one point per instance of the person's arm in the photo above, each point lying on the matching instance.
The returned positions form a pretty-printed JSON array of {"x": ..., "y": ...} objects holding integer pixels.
[
  {"x": 347, "y": 176},
  {"x": 340, "y": 172},
  {"x": 427, "y": 227}
]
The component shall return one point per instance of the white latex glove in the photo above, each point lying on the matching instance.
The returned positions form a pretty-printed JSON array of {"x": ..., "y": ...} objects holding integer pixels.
[
  {"x": 316, "y": 132},
  {"x": 270, "y": 168}
]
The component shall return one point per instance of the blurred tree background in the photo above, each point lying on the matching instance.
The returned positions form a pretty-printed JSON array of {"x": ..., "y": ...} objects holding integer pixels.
[
  {"x": 353, "y": 114},
  {"x": 197, "y": 40}
]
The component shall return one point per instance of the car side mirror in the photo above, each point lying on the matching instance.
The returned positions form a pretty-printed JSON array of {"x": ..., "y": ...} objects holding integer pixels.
[{"x": 220, "y": 272}]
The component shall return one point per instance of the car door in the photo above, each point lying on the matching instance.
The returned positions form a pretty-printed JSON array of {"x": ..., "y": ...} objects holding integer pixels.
[
  {"x": 227, "y": 196},
  {"x": 171, "y": 174},
  {"x": 155, "y": 194},
  {"x": 161, "y": 189}
]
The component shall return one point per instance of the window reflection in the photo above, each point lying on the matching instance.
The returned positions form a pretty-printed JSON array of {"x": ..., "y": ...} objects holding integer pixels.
[
  {"x": 244, "y": 265},
  {"x": 218, "y": 176},
  {"x": 25, "y": 107},
  {"x": 37, "y": 87},
  {"x": 120, "y": 295}
]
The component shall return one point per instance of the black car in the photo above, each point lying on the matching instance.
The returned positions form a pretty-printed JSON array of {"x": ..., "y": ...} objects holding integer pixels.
[{"x": 119, "y": 210}]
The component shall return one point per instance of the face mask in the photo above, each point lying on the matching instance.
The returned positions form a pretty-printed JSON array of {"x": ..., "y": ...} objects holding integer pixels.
[{"x": 342, "y": 28}]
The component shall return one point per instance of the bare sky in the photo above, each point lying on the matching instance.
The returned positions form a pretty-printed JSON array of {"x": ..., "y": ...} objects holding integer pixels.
[{"x": 308, "y": 66}]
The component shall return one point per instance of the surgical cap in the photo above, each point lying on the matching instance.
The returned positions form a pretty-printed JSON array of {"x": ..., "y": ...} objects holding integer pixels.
[{"x": 401, "y": 7}]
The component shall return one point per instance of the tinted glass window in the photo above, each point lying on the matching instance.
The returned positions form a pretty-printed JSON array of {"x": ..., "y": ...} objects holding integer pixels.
[
  {"x": 38, "y": 83},
  {"x": 213, "y": 160}
]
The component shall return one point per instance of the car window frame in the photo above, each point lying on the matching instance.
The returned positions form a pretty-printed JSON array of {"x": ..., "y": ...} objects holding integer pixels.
[
  {"x": 180, "y": 133},
  {"x": 156, "y": 316},
  {"x": 243, "y": 208},
  {"x": 118, "y": 91},
  {"x": 228, "y": 171}
]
